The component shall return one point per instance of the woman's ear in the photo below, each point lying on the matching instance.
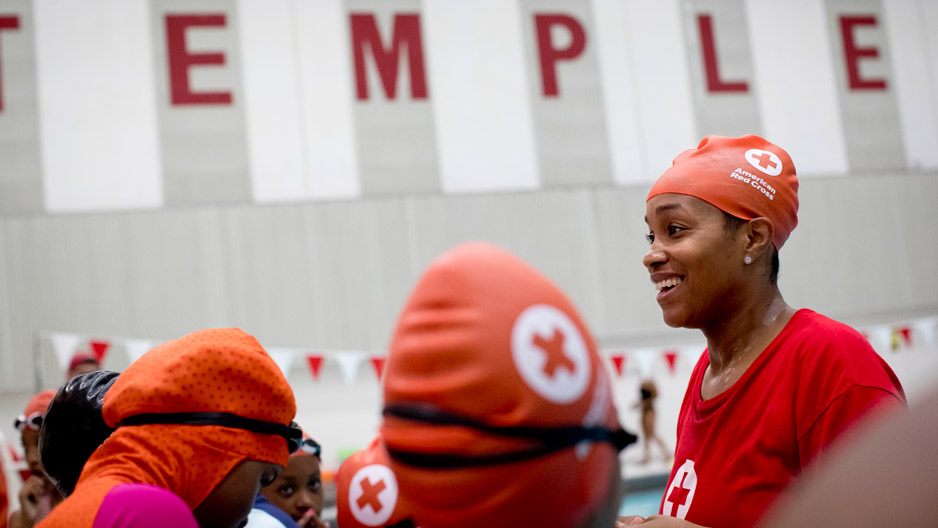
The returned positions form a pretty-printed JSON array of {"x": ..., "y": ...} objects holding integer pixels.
[{"x": 759, "y": 233}]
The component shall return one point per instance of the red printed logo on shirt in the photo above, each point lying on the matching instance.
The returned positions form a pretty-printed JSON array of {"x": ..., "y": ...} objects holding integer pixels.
[{"x": 680, "y": 491}]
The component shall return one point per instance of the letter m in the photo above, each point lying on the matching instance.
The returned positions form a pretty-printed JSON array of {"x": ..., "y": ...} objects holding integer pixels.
[{"x": 406, "y": 32}]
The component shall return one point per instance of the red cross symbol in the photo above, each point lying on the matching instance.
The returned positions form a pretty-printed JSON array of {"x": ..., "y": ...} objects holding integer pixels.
[
  {"x": 680, "y": 493},
  {"x": 765, "y": 158},
  {"x": 370, "y": 494},
  {"x": 553, "y": 349}
]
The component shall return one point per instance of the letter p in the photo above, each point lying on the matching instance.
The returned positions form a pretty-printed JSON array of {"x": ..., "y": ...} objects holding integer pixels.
[{"x": 549, "y": 54}]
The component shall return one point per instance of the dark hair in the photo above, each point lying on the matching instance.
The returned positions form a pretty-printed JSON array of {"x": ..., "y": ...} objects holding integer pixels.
[
  {"x": 73, "y": 428},
  {"x": 732, "y": 223}
]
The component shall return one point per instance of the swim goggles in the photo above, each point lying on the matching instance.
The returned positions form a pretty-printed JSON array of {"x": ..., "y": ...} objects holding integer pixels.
[
  {"x": 33, "y": 421},
  {"x": 292, "y": 433},
  {"x": 545, "y": 440}
]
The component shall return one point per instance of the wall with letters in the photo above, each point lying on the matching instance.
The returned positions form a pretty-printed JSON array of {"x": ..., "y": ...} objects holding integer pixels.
[{"x": 291, "y": 166}]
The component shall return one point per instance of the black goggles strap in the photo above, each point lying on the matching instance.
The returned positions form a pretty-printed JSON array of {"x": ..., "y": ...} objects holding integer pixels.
[
  {"x": 548, "y": 439},
  {"x": 292, "y": 432}
]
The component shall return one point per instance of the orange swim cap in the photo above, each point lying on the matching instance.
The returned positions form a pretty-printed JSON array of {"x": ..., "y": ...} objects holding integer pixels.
[
  {"x": 39, "y": 403},
  {"x": 217, "y": 370},
  {"x": 747, "y": 177},
  {"x": 367, "y": 493},
  {"x": 498, "y": 410}
]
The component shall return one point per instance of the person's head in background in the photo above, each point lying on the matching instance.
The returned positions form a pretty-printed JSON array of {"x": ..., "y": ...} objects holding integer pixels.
[
  {"x": 73, "y": 427},
  {"x": 206, "y": 417},
  {"x": 82, "y": 363},
  {"x": 498, "y": 411},
  {"x": 298, "y": 488},
  {"x": 28, "y": 424},
  {"x": 38, "y": 494},
  {"x": 366, "y": 493}
]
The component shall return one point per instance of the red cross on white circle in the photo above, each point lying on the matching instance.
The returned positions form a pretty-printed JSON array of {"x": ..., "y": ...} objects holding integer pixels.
[
  {"x": 551, "y": 354},
  {"x": 767, "y": 162},
  {"x": 372, "y": 495}
]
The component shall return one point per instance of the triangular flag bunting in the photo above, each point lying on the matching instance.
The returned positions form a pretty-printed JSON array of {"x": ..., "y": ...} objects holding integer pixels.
[
  {"x": 644, "y": 360},
  {"x": 348, "y": 364},
  {"x": 99, "y": 348},
  {"x": 671, "y": 356},
  {"x": 690, "y": 354},
  {"x": 136, "y": 348},
  {"x": 378, "y": 363},
  {"x": 617, "y": 361},
  {"x": 906, "y": 333},
  {"x": 283, "y": 357},
  {"x": 881, "y": 338},
  {"x": 64, "y": 346},
  {"x": 925, "y": 332},
  {"x": 315, "y": 363}
]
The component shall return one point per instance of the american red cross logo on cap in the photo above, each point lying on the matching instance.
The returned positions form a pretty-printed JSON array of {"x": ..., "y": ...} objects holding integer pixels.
[
  {"x": 767, "y": 162},
  {"x": 553, "y": 349}
]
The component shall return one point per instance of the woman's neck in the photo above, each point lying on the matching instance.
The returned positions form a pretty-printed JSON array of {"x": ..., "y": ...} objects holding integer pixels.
[{"x": 738, "y": 339}]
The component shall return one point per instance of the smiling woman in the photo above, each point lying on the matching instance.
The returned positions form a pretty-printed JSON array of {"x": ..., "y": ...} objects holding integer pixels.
[{"x": 775, "y": 386}]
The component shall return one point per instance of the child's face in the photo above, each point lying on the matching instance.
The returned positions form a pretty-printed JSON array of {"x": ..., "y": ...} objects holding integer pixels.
[
  {"x": 298, "y": 488},
  {"x": 30, "y": 439}
]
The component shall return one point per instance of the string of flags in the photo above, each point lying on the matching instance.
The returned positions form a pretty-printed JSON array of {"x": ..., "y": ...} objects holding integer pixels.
[{"x": 622, "y": 362}]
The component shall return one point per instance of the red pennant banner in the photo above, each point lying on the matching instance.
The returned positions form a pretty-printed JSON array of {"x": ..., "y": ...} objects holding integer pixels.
[
  {"x": 906, "y": 333},
  {"x": 378, "y": 363},
  {"x": 17, "y": 461},
  {"x": 99, "y": 348},
  {"x": 671, "y": 356},
  {"x": 315, "y": 363},
  {"x": 617, "y": 362}
]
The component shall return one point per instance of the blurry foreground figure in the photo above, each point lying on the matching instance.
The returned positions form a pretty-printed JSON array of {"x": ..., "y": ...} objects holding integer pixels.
[
  {"x": 497, "y": 409},
  {"x": 885, "y": 475},
  {"x": 202, "y": 422}
]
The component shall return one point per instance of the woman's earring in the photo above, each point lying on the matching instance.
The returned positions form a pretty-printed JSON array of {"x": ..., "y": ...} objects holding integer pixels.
[{"x": 748, "y": 259}]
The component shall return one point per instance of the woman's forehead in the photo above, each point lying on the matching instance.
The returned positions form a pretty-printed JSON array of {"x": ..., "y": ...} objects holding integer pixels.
[{"x": 663, "y": 204}]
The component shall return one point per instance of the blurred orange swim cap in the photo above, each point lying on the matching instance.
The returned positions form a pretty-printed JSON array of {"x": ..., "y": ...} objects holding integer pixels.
[
  {"x": 367, "y": 490},
  {"x": 498, "y": 410},
  {"x": 747, "y": 177}
]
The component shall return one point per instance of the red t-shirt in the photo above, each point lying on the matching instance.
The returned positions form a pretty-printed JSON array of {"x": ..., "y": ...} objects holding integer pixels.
[{"x": 738, "y": 450}]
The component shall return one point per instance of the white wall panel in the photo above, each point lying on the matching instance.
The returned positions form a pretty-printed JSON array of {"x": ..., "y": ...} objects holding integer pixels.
[
  {"x": 795, "y": 75},
  {"x": 97, "y": 105},
  {"x": 271, "y": 91},
  {"x": 929, "y": 10},
  {"x": 617, "y": 69},
  {"x": 481, "y": 107},
  {"x": 298, "y": 100},
  {"x": 908, "y": 32},
  {"x": 324, "y": 56},
  {"x": 548, "y": 229},
  {"x": 664, "y": 99}
]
